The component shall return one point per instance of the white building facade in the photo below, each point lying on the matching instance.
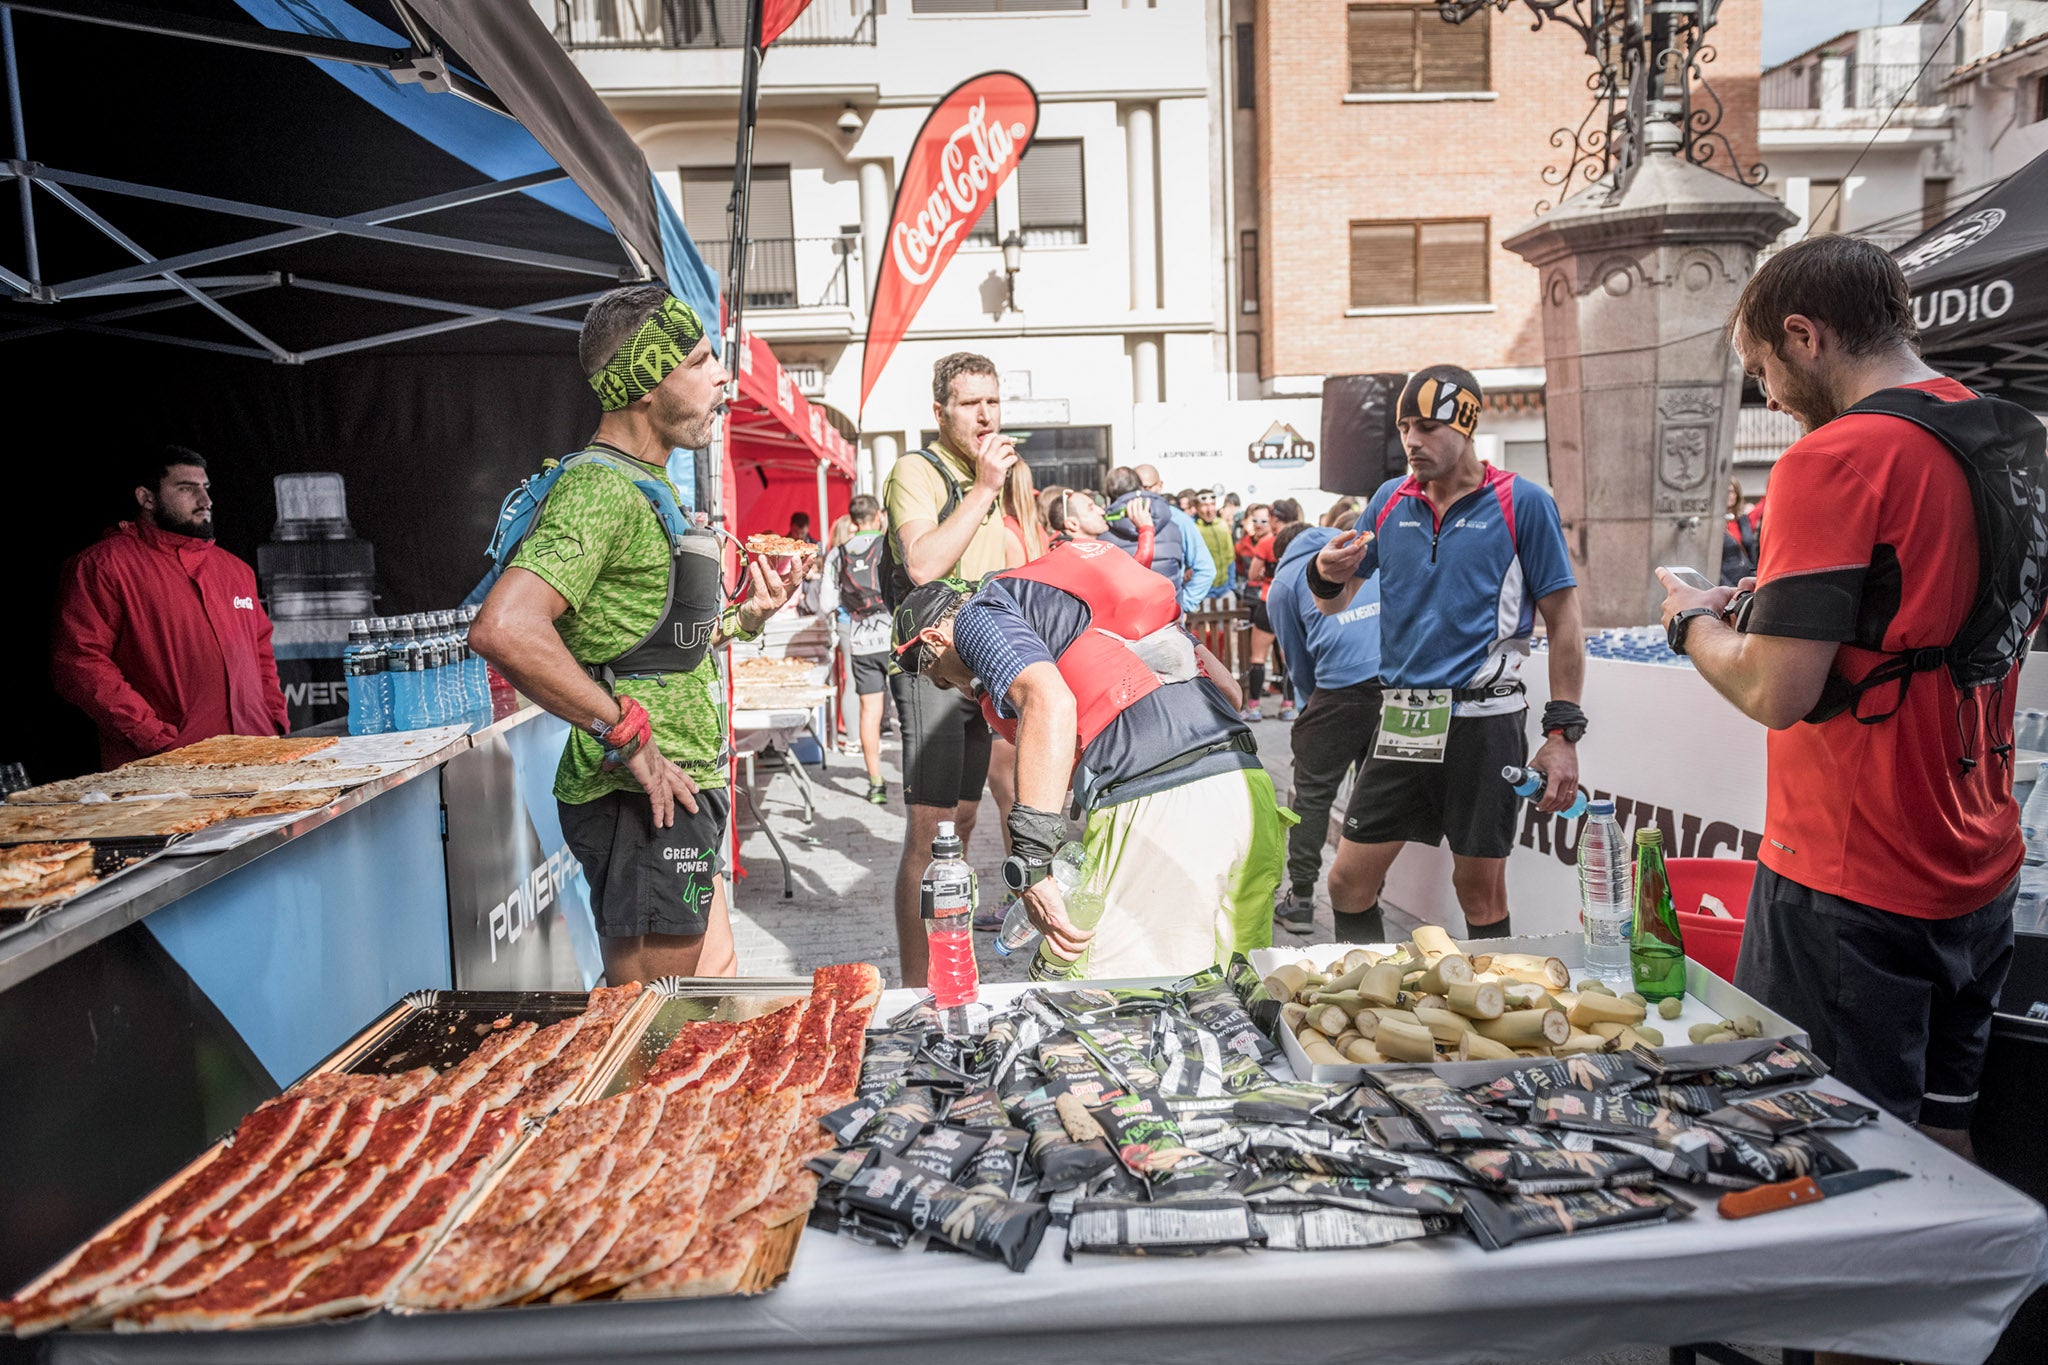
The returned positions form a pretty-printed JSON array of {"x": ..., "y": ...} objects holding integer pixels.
[{"x": 1121, "y": 293}]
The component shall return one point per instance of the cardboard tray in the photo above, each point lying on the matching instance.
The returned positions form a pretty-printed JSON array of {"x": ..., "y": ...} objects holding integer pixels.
[{"x": 1707, "y": 998}]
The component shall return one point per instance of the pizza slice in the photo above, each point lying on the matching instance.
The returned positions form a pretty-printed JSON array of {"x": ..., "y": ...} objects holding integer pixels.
[
  {"x": 452, "y": 1128},
  {"x": 258, "y": 1140},
  {"x": 752, "y": 1161},
  {"x": 237, "y": 749},
  {"x": 460, "y": 1079},
  {"x": 359, "y": 1180},
  {"x": 642, "y": 1115},
  {"x": 777, "y": 547},
  {"x": 662, "y": 1228},
  {"x": 349, "y": 1284},
  {"x": 851, "y": 985},
  {"x": 306, "y": 1145},
  {"x": 536, "y": 1249},
  {"x": 374, "y": 1216},
  {"x": 285, "y": 803},
  {"x": 400, "y": 1131},
  {"x": 694, "y": 1048},
  {"x": 713, "y": 1265},
  {"x": 615, "y": 1213},
  {"x": 681, "y": 1124},
  {"x": 504, "y": 1082},
  {"x": 106, "y": 1260},
  {"x": 231, "y": 1301},
  {"x": 352, "y": 1134},
  {"x": 284, "y": 1215},
  {"x": 408, "y": 1086},
  {"x": 811, "y": 1055}
]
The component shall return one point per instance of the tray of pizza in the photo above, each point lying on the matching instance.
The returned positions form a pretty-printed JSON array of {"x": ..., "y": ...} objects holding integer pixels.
[
  {"x": 236, "y": 750},
  {"x": 325, "y": 1199},
  {"x": 684, "y": 1175},
  {"x": 39, "y": 876},
  {"x": 180, "y": 780},
  {"x": 145, "y": 818}
]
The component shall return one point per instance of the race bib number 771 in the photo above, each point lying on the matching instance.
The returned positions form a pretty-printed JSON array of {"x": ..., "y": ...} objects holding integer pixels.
[{"x": 1415, "y": 725}]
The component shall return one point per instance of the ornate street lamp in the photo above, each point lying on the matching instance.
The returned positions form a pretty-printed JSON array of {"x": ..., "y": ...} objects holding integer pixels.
[
  {"x": 1650, "y": 91},
  {"x": 1013, "y": 261}
]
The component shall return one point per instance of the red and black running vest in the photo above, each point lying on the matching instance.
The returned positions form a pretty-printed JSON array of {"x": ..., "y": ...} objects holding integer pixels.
[{"x": 1137, "y": 734}]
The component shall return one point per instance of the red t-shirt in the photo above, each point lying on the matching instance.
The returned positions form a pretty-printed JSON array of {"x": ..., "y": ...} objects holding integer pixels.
[
  {"x": 1258, "y": 550},
  {"x": 1872, "y": 541}
]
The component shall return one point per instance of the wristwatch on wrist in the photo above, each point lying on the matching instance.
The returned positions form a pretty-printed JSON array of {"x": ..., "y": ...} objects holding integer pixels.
[
  {"x": 1674, "y": 633},
  {"x": 1021, "y": 876},
  {"x": 1572, "y": 733}
]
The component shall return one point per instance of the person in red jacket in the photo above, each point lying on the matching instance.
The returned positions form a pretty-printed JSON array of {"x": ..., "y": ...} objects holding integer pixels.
[{"x": 159, "y": 636}]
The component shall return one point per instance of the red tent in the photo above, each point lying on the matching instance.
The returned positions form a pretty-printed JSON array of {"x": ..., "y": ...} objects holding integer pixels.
[{"x": 781, "y": 455}]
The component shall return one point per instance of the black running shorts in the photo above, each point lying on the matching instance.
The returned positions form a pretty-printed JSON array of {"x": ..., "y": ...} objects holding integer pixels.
[
  {"x": 1461, "y": 799},
  {"x": 945, "y": 742},
  {"x": 645, "y": 880}
]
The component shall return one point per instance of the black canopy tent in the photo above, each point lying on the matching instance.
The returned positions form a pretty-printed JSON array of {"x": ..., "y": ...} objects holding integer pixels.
[
  {"x": 300, "y": 265},
  {"x": 1980, "y": 289}
]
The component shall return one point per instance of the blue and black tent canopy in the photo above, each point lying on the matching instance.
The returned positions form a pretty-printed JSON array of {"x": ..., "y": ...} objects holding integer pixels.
[{"x": 293, "y": 180}]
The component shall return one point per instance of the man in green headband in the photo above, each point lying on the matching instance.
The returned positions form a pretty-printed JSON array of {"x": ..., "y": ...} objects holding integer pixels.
[{"x": 641, "y": 784}]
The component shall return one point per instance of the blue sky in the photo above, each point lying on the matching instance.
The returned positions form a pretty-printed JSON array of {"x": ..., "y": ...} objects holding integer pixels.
[{"x": 1792, "y": 26}]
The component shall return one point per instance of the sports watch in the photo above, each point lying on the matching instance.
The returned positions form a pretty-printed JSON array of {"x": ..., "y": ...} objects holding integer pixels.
[
  {"x": 1021, "y": 876},
  {"x": 1674, "y": 634}
]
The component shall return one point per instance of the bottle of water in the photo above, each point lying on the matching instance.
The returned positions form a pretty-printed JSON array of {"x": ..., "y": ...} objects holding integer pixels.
[
  {"x": 475, "y": 671},
  {"x": 406, "y": 661},
  {"x": 2034, "y": 824},
  {"x": 946, "y": 900},
  {"x": 1085, "y": 907},
  {"x": 362, "y": 664},
  {"x": 380, "y": 641},
  {"x": 1606, "y": 899},
  {"x": 1020, "y": 935},
  {"x": 440, "y": 669},
  {"x": 1529, "y": 784},
  {"x": 453, "y": 708}
]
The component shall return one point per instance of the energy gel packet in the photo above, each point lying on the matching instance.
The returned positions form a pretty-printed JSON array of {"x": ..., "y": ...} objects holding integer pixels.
[
  {"x": 1314, "y": 1228},
  {"x": 1250, "y": 989},
  {"x": 1780, "y": 1064},
  {"x": 996, "y": 1168},
  {"x": 888, "y": 1057},
  {"x": 1330, "y": 1151},
  {"x": 1795, "y": 1111},
  {"x": 1284, "y": 1102},
  {"x": 1404, "y": 1197},
  {"x": 847, "y": 1122},
  {"x": 1143, "y": 1132},
  {"x": 1208, "y": 1000},
  {"x": 1605, "y": 1113},
  {"x": 944, "y": 1150},
  {"x": 1587, "y": 1071},
  {"x": 1180, "y": 1227},
  {"x": 1351, "y": 1108},
  {"x": 1686, "y": 1099},
  {"x": 899, "y": 1122},
  {"x": 981, "y": 1224},
  {"x": 1498, "y": 1222},
  {"x": 977, "y": 1109},
  {"x": 1398, "y": 1133},
  {"x": 1064, "y": 1058},
  {"x": 1522, "y": 1171},
  {"x": 1061, "y": 1162},
  {"x": 1445, "y": 1112},
  {"x": 854, "y": 1226},
  {"x": 1726, "y": 1159}
]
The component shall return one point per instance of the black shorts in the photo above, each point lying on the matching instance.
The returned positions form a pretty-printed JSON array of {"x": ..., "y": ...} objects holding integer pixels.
[
  {"x": 645, "y": 880},
  {"x": 945, "y": 742},
  {"x": 1899, "y": 1007},
  {"x": 1462, "y": 799},
  {"x": 1261, "y": 618},
  {"x": 870, "y": 674}
]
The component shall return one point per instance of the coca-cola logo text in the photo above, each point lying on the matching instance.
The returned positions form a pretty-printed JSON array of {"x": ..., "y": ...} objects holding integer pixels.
[{"x": 968, "y": 171}]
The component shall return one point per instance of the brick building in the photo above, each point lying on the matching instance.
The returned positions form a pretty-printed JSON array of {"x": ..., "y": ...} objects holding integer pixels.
[{"x": 1383, "y": 156}]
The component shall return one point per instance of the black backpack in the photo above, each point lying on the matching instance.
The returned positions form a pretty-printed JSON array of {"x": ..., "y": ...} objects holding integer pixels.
[
  {"x": 2000, "y": 447},
  {"x": 860, "y": 577},
  {"x": 896, "y": 584}
]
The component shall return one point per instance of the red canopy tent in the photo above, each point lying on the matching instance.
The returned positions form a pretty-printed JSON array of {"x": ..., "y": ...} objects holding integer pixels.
[{"x": 781, "y": 455}]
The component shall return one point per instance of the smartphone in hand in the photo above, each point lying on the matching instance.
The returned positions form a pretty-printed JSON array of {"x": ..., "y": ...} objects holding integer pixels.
[{"x": 1692, "y": 578}]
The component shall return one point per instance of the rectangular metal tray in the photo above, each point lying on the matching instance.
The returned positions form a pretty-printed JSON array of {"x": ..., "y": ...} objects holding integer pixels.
[
  {"x": 689, "y": 1000},
  {"x": 1707, "y": 997},
  {"x": 111, "y": 858}
]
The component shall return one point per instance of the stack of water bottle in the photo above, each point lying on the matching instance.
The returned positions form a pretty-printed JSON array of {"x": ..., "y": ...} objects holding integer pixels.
[
  {"x": 414, "y": 673},
  {"x": 1631, "y": 644},
  {"x": 2030, "y": 736}
]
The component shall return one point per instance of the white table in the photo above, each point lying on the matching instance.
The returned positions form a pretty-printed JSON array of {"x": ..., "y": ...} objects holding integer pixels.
[
  {"x": 1926, "y": 1269},
  {"x": 756, "y": 730}
]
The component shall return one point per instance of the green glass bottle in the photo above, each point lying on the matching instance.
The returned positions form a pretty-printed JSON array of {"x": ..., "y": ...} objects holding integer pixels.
[{"x": 1656, "y": 947}]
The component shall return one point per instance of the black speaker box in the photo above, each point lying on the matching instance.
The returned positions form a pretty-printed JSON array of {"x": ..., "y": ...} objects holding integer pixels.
[{"x": 1361, "y": 447}]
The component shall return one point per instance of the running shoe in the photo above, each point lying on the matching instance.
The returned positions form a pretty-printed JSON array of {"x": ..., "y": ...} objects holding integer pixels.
[
  {"x": 1296, "y": 913},
  {"x": 1250, "y": 713},
  {"x": 878, "y": 792},
  {"x": 989, "y": 919},
  {"x": 1286, "y": 709}
]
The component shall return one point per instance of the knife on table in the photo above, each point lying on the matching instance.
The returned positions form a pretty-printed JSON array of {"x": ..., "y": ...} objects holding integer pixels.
[{"x": 1805, "y": 1190}]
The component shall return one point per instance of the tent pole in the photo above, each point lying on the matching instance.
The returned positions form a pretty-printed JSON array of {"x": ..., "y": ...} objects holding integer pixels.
[
  {"x": 736, "y": 259},
  {"x": 824, "y": 508},
  {"x": 22, "y": 185}
]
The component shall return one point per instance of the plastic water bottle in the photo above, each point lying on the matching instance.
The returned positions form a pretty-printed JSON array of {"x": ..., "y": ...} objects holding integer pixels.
[
  {"x": 1529, "y": 784},
  {"x": 453, "y": 706},
  {"x": 1020, "y": 935},
  {"x": 2034, "y": 824},
  {"x": 362, "y": 664},
  {"x": 1606, "y": 898},
  {"x": 1085, "y": 906},
  {"x": 476, "y": 680},
  {"x": 946, "y": 900},
  {"x": 380, "y": 640},
  {"x": 406, "y": 662}
]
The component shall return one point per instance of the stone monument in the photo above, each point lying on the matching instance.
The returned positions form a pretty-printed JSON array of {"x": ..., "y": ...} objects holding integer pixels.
[{"x": 1641, "y": 386}]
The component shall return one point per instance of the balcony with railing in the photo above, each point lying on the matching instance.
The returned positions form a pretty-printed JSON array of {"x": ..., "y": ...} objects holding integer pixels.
[
  {"x": 676, "y": 24},
  {"x": 1843, "y": 83},
  {"x": 793, "y": 273}
]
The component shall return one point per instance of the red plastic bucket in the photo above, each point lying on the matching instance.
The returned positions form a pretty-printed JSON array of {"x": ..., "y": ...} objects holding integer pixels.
[{"x": 1711, "y": 941}]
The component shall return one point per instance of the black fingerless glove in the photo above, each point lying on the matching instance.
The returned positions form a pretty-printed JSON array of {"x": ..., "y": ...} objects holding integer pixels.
[{"x": 1566, "y": 717}]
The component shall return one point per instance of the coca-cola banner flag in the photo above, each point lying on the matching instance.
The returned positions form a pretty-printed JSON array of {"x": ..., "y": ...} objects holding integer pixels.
[
  {"x": 778, "y": 15},
  {"x": 967, "y": 148}
]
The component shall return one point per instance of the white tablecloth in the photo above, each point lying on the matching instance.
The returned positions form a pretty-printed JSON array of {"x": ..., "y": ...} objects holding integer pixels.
[{"x": 1927, "y": 1269}]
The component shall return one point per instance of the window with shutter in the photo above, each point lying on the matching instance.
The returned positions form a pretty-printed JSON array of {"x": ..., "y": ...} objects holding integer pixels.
[
  {"x": 1051, "y": 202},
  {"x": 1382, "y": 265},
  {"x": 1248, "y": 270},
  {"x": 1419, "y": 265},
  {"x": 1247, "y": 68},
  {"x": 771, "y": 229},
  {"x": 1411, "y": 49},
  {"x": 996, "y": 6}
]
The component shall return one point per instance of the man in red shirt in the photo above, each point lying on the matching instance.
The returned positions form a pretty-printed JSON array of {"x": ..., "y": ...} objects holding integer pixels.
[
  {"x": 159, "y": 636},
  {"x": 1881, "y": 918}
]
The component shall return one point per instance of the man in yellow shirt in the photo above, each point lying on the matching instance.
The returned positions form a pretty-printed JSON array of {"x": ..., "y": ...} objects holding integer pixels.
[{"x": 945, "y": 521}]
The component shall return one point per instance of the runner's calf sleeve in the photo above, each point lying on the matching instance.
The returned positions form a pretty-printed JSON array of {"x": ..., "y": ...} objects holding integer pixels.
[
  {"x": 1362, "y": 926},
  {"x": 1258, "y": 687},
  {"x": 1498, "y": 929}
]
